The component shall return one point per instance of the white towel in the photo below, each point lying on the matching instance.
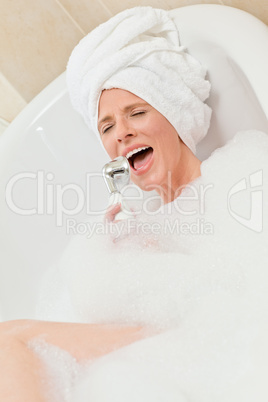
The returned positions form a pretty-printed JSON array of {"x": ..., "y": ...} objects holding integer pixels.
[{"x": 138, "y": 50}]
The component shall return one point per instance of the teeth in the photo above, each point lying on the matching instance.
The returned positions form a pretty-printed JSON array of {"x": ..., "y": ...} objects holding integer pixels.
[{"x": 129, "y": 154}]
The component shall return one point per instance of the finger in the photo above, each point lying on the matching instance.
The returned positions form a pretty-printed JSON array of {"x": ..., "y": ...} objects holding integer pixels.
[{"x": 112, "y": 211}]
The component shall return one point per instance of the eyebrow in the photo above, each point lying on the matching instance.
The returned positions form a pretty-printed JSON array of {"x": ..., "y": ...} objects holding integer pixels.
[{"x": 125, "y": 109}]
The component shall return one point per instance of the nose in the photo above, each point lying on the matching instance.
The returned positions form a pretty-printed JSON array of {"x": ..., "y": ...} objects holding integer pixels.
[{"x": 124, "y": 131}]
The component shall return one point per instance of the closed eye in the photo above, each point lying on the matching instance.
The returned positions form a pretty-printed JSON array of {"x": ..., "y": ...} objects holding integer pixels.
[
  {"x": 105, "y": 129},
  {"x": 137, "y": 113}
]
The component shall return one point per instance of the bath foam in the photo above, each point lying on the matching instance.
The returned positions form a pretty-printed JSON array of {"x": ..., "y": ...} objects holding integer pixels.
[
  {"x": 57, "y": 387},
  {"x": 207, "y": 292}
]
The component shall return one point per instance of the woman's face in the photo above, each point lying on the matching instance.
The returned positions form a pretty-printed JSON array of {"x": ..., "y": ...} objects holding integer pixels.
[{"x": 130, "y": 127}]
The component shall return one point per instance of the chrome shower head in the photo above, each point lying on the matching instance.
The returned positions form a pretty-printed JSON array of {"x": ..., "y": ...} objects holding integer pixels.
[{"x": 113, "y": 169}]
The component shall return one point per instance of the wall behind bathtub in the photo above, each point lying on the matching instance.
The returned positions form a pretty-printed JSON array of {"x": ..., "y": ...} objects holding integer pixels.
[{"x": 37, "y": 36}]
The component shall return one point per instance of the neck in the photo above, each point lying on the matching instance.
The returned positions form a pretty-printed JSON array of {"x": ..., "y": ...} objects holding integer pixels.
[{"x": 188, "y": 171}]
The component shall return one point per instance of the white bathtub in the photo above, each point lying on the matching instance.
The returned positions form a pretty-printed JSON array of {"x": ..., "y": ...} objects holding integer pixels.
[{"x": 48, "y": 137}]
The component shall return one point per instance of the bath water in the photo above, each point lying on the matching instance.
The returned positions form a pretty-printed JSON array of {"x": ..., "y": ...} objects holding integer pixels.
[{"x": 196, "y": 270}]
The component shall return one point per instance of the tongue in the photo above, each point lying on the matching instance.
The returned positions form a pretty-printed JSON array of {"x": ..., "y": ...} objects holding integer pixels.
[{"x": 142, "y": 158}]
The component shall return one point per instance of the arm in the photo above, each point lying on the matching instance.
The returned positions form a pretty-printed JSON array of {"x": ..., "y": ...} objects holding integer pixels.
[{"x": 21, "y": 374}]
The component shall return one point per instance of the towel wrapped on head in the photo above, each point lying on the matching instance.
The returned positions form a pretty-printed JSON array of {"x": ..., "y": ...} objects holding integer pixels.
[{"x": 138, "y": 50}]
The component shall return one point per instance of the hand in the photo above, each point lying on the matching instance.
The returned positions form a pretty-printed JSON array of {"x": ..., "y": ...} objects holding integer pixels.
[
  {"x": 111, "y": 212},
  {"x": 109, "y": 218}
]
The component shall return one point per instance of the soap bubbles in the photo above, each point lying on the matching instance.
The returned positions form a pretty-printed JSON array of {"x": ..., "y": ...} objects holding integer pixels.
[{"x": 199, "y": 278}]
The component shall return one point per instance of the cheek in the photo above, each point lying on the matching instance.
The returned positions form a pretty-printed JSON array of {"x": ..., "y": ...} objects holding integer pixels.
[
  {"x": 109, "y": 148},
  {"x": 163, "y": 130},
  {"x": 168, "y": 150}
]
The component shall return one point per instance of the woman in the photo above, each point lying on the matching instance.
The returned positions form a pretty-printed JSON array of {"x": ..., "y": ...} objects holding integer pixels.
[
  {"x": 128, "y": 123},
  {"x": 143, "y": 96}
]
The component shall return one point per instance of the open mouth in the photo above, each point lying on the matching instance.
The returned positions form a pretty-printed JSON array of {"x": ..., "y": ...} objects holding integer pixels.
[{"x": 140, "y": 158}]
